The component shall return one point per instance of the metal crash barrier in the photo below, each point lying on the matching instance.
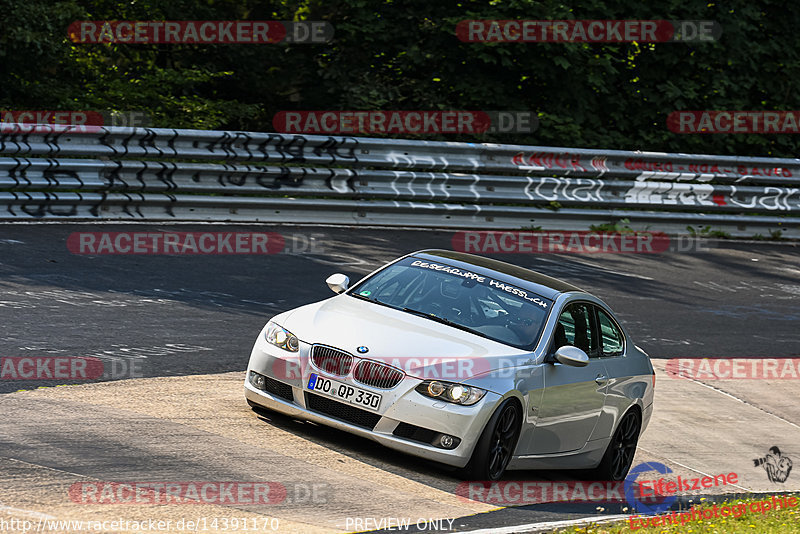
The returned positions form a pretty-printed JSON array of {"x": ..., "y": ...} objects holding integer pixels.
[{"x": 66, "y": 173}]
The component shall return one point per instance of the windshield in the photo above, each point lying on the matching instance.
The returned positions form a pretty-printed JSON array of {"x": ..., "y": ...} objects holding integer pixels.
[{"x": 488, "y": 307}]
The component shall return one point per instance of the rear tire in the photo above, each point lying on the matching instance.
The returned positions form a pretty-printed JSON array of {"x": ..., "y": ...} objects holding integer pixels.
[
  {"x": 496, "y": 444},
  {"x": 618, "y": 457}
]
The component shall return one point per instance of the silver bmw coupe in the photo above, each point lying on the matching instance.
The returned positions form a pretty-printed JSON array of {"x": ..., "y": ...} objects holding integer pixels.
[{"x": 465, "y": 360}]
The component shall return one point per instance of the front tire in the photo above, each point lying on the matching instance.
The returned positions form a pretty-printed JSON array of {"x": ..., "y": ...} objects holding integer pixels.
[
  {"x": 618, "y": 457},
  {"x": 496, "y": 444}
]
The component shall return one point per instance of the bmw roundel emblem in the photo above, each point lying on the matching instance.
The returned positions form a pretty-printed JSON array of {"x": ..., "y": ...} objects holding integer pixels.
[{"x": 362, "y": 349}]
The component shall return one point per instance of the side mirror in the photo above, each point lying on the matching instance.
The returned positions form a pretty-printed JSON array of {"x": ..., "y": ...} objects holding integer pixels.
[
  {"x": 569, "y": 355},
  {"x": 338, "y": 282}
]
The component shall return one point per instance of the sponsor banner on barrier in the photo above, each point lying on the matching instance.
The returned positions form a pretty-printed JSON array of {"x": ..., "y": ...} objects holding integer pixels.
[
  {"x": 192, "y": 243},
  {"x": 679, "y": 168},
  {"x": 520, "y": 242},
  {"x": 734, "y": 368},
  {"x": 405, "y": 122},
  {"x": 587, "y": 31},
  {"x": 734, "y": 122},
  {"x": 199, "y": 31}
]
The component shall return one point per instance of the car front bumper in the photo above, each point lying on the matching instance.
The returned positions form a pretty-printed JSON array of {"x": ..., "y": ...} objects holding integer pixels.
[{"x": 401, "y": 404}]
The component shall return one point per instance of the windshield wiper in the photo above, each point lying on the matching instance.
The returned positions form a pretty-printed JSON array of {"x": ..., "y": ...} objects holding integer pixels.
[
  {"x": 368, "y": 299},
  {"x": 442, "y": 320}
]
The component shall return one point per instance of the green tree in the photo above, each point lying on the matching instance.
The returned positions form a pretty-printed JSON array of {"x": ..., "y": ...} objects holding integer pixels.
[{"x": 403, "y": 54}]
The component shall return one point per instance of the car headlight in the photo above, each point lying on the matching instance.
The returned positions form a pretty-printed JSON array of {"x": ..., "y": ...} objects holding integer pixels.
[
  {"x": 280, "y": 337},
  {"x": 450, "y": 392}
]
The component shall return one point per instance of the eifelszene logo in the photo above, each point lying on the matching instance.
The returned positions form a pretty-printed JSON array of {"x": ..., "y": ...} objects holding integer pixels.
[
  {"x": 655, "y": 496},
  {"x": 632, "y": 495}
]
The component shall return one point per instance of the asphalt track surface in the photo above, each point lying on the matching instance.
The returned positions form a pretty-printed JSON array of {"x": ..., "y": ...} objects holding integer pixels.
[{"x": 175, "y": 332}]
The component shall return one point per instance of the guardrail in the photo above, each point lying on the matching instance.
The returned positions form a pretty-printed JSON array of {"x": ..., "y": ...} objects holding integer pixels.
[{"x": 96, "y": 173}]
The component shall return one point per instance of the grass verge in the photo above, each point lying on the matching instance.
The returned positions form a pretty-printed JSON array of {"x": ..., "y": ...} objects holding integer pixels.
[{"x": 782, "y": 516}]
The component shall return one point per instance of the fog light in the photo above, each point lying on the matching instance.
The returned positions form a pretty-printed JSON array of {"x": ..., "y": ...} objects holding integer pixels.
[
  {"x": 258, "y": 381},
  {"x": 445, "y": 441}
]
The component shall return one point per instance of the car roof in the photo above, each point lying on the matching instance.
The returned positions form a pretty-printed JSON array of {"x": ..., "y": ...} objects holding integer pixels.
[{"x": 544, "y": 285}]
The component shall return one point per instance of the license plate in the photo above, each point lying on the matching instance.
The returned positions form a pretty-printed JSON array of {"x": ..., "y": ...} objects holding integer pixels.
[{"x": 344, "y": 392}]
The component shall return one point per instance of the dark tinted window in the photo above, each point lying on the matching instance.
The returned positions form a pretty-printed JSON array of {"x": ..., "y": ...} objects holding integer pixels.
[
  {"x": 486, "y": 306},
  {"x": 613, "y": 341},
  {"x": 575, "y": 328}
]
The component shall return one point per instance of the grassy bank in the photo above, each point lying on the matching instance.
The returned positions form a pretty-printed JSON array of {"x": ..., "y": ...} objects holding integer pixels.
[{"x": 758, "y": 515}]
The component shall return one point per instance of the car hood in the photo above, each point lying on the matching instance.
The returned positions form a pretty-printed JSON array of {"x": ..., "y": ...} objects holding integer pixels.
[{"x": 421, "y": 347}]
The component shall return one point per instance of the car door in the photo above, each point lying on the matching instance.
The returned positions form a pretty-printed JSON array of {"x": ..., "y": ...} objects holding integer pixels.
[
  {"x": 622, "y": 383},
  {"x": 573, "y": 397}
]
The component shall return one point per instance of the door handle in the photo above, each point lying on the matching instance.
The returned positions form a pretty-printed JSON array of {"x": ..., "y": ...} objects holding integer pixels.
[{"x": 601, "y": 380}]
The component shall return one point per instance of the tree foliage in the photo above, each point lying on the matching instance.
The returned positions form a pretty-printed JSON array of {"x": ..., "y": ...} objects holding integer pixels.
[{"x": 403, "y": 54}]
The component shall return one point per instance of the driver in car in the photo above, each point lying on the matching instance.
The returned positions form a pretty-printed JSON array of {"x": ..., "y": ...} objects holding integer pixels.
[{"x": 526, "y": 324}]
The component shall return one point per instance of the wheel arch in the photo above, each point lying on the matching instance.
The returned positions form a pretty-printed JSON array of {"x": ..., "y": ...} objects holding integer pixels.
[
  {"x": 634, "y": 408},
  {"x": 510, "y": 398},
  {"x": 518, "y": 398}
]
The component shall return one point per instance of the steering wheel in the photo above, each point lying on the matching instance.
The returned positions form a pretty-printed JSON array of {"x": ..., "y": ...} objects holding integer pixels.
[
  {"x": 510, "y": 320},
  {"x": 466, "y": 319}
]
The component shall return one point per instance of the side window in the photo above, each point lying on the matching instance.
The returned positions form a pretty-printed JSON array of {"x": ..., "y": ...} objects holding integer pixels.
[
  {"x": 575, "y": 328},
  {"x": 613, "y": 341}
]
